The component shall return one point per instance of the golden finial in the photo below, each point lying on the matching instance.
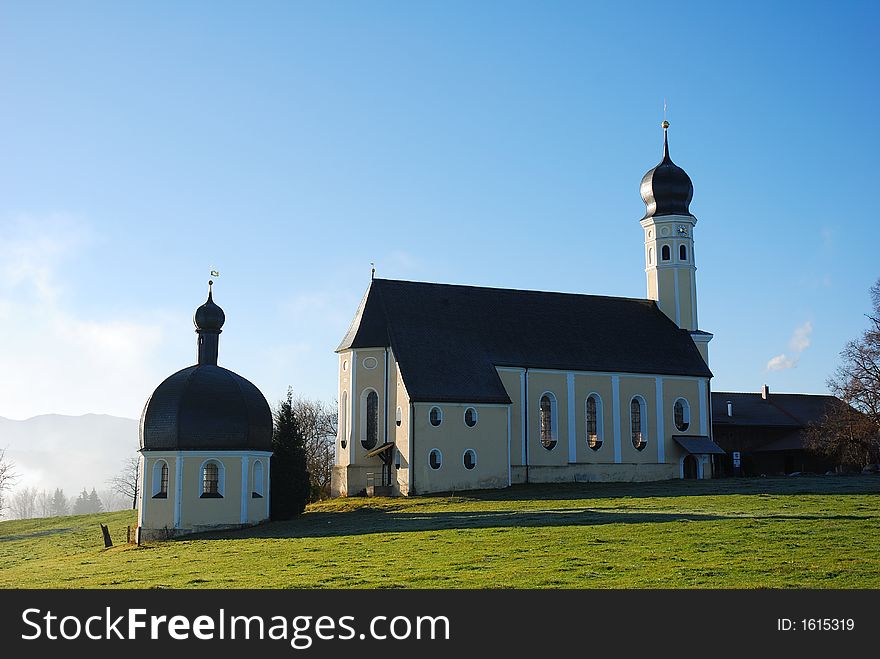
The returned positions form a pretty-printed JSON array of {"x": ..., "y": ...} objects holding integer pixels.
[{"x": 665, "y": 124}]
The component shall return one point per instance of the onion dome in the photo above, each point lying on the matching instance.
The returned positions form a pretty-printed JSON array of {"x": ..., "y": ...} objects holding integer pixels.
[
  {"x": 666, "y": 189},
  {"x": 209, "y": 316},
  {"x": 206, "y": 406}
]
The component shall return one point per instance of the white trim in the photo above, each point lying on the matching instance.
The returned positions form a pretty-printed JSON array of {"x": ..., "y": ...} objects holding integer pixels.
[
  {"x": 268, "y": 493},
  {"x": 142, "y": 477},
  {"x": 615, "y": 415},
  {"x": 409, "y": 449},
  {"x": 522, "y": 403},
  {"x": 572, "y": 437},
  {"x": 620, "y": 374},
  {"x": 661, "y": 427},
  {"x": 694, "y": 289},
  {"x": 677, "y": 301},
  {"x": 245, "y": 489},
  {"x": 178, "y": 487},
  {"x": 440, "y": 453},
  {"x": 702, "y": 389},
  {"x": 459, "y": 404},
  {"x": 463, "y": 453},
  {"x": 509, "y": 482},
  {"x": 352, "y": 452},
  {"x": 205, "y": 454}
]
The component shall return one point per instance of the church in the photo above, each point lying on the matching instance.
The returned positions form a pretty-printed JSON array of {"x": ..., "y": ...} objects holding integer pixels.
[
  {"x": 448, "y": 388},
  {"x": 205, "y": 445}
]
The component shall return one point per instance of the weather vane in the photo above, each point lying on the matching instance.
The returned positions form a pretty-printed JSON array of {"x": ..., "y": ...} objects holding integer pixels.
[{"x": 214, "y": 273}]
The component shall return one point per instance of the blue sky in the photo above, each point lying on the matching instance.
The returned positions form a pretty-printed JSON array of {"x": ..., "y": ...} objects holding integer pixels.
[{"x": 290, "y": 144}]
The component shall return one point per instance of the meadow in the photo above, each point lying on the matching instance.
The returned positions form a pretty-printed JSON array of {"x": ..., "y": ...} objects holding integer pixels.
[{"x": 795, "y": 532}]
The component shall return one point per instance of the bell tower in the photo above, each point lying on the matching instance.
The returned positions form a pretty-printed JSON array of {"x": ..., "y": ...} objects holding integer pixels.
[{"x": 670, "y": 263}]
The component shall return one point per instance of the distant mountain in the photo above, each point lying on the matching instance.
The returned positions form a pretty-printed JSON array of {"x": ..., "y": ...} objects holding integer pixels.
[{"x": 70, "y": 452}]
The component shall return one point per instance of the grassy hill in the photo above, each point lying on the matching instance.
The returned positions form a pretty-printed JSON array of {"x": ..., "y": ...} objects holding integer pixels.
[{"x": 814, "y": 532}]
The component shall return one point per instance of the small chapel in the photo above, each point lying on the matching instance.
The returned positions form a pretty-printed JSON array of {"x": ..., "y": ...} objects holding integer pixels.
[
  {"x": 205, "y": 445},
  {"x": 448, "y": 388}
]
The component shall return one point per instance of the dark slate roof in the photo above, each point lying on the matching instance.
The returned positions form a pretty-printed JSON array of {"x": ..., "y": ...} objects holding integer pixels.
[
  {"x": 779, "y": 410},
  {"x": 448, "y": 339},
  {"x": 698, "y": 444},
  {"x": 206, "y": 407}
]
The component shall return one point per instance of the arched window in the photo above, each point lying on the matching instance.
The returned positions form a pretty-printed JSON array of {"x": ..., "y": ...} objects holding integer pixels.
[
  {"x": 681, "y": 413},
  {"x": 160, "y": 480},
  {"x": 212, "y": 480},
  {"x": 683, "y": 253},
  {"x": 469, "y": 459},
  {"x": 470, "y": 417},
  {"x": 593, "y": 415},
  {"x": 343, "y": 420},
  {"x": 548, "y": 421},
  {"x": 370, "y": 430},
  {"x": 257, "y": 492},
  {"x": 435, "y": 416},
  {"x": 665, "y": 253},
  {"x": 435, "y": 458},
  {"x": 638, "y": 422},
  {"x": 650, "y": 256},
  {"x": 398, "y": 419}
]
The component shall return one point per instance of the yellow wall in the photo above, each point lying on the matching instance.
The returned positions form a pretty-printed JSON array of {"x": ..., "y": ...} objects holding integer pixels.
[{"x": 488, "y": 439}]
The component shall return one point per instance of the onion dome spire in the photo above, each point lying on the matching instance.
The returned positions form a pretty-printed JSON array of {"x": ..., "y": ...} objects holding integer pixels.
[
  {"x": 666, "y": 189},
  {"x": 209, "y": 319}
]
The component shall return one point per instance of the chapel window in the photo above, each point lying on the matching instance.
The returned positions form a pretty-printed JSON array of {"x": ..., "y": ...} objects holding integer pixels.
[{"x": 548, "y": 421}]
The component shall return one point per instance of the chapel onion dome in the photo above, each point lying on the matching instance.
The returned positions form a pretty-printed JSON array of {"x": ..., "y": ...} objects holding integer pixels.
[
  {"x": 209, "y": 316},
  {"x": 667, "y": 189},
  {"x": 205, "y": 406}
]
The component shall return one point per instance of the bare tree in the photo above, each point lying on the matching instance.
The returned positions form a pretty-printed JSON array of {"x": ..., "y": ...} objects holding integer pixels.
[
  {"x": 43, "y": 504},
  {"x": 23, "y": 503},
  {"x": 7, "y": 478},
  {"x": 127, "y": 481},
  {"x": 317, "y": 422},
  {"x": 850, "y": 433},
  {"x": 112, "y": 501}
]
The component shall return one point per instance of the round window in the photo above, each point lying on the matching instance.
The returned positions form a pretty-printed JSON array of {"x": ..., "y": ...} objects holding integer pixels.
[
  {"x": 435, "y": 459},
  {"x": 470, "y": 417},
  {"x": 435, "y": 416},
  {"x": 470, "y": 459},
  {"x": 370, "y": 363}
]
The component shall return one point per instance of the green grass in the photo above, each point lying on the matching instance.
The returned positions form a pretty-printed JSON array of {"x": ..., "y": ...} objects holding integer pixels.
[{"x": 803, "y": 532}]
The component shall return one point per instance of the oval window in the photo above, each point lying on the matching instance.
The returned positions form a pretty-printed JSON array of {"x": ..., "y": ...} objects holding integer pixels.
[
  {"x": 470, "y": 417},
  {"x": 435, "y": 416},
  {"x": 469, "y": 459},
  {"x": 681, "y": 413},
  {"x": 370, "y": 363},
  {"x": 435, "y": 459}
]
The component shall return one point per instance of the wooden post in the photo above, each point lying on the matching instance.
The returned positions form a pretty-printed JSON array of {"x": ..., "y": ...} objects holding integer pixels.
[{"x": 107, "y": 541}]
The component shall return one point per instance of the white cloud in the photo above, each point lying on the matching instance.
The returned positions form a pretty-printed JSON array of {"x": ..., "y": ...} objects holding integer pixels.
[
  {"x": 800, "y": 341},
  {"x": 56, "y": 359}
]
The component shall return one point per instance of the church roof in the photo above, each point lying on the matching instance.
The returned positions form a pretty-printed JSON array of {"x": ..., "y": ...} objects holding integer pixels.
[
  {"x": 206, "y": 407},
  {"x": 448, "y": 339}
]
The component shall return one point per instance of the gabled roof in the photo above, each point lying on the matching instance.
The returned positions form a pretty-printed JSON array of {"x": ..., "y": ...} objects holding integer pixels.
[
  {"x": 778, "y": 410},
  {"x": 448, "y": 339}
]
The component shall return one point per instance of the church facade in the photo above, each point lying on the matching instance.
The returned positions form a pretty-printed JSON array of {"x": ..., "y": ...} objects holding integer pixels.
[{"x": 449, "y": 388}]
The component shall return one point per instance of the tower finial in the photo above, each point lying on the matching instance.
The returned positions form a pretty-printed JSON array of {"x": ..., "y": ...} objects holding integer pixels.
[
  {"x": 372, "y": 271},
  {"x": 665, "y": 126}
]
